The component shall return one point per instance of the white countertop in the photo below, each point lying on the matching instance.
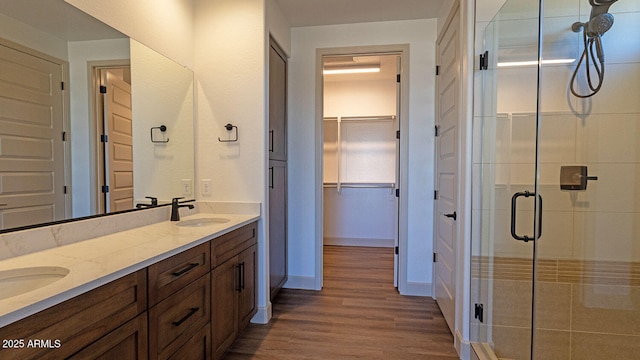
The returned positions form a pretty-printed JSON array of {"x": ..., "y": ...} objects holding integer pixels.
[{"x": 100, "y": 260}]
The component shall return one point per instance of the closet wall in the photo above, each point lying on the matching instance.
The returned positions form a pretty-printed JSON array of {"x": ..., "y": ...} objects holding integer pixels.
[{"x": 360, "y": 207}]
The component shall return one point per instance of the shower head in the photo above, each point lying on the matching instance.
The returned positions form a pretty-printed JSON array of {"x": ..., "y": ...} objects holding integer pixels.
[
  {"x": 599, "y": 25},
  {"x": 599, "y": 7},
  {"x": 600, "y": 21}
]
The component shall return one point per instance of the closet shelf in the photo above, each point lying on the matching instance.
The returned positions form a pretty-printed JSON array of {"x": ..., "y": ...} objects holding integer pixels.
[
  {"x": 361, "y": 118},
  {"x": 360, "y": 185}
]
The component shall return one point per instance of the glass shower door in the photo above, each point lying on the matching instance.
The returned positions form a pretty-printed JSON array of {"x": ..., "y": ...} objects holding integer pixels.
[
  {"x": 505, "y": 201},
  {"x": 587, "y": 294},
  {"x": 574, "y": 291}
]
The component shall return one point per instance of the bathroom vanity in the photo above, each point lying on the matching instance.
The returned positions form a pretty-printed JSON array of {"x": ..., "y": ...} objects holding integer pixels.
[{"x": 169, "y": 290}]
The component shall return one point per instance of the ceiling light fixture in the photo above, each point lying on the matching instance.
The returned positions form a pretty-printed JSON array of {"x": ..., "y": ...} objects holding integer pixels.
[
  {"x": 351, "y": 70},
  {"x": 534, "y": 62}
]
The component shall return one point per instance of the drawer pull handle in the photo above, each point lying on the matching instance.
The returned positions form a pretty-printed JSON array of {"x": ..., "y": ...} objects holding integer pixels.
[
  {"x": 179, "y": 322},
  {"x": 185, "y": 270}
]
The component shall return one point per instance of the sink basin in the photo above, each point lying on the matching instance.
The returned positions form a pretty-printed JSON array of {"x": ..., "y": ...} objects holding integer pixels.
[
  {"x": 19, "y": 281},
  {"x": 202, "y": 221}
]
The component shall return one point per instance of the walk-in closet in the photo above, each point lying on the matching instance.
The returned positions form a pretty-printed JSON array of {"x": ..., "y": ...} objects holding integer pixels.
[{"x": 361, "y": 125}]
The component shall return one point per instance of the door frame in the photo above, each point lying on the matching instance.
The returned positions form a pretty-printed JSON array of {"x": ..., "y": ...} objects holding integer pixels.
[
  {"x": 403, "y": 108},
  {"x": 96, "y": 172}
]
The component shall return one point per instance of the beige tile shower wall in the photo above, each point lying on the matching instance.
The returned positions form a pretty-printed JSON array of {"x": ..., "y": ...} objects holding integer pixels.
[
  {"x": 577, "y": 303},
  {"x": 600, "y": 132}
]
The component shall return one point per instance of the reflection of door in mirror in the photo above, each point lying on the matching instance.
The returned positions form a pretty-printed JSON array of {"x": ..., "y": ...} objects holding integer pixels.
[
  {"x": 32, "y": 188},
  {"x": 117, "y": 140}
]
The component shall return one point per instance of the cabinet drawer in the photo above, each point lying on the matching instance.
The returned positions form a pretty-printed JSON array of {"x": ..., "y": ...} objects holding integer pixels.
[
  {"x": 174, "y": 273},
  {"x": 227, "y": 246},
  {"x": 196, "y": 348},
  {"x": 129, "y": 341},
  {"x": 179, "y": 317},
  {"x": 79, "y": 321}
]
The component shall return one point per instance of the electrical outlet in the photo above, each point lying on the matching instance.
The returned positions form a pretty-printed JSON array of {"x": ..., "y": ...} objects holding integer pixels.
[
  {"x": 187, "y": 187},
  {"x": 206, "y": 186}
]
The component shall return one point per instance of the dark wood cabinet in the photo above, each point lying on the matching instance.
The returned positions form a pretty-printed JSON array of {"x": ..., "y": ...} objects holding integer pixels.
[
  {"x": 277, "y": 168},
  {"x": 277, "y": 226},
  {"x": 277, "y": 103},
  {"x": 224, "y": 301},
  {"x": 169, "y": 275},
  {"x": 79, "y": 321},
  {"x": 247, "y": 291},
  {"x": 128, "y": 342},
  {"x": 233, "y": 286},
  {"x": 178, "y": 317},
  {"x": 198, "y": 303}
]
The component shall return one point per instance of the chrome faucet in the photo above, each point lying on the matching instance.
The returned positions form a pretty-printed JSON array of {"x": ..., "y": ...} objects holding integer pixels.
[{"x": 175, "y": 214}]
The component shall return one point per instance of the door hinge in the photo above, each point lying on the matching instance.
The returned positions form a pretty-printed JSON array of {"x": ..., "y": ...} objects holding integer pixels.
[
  {"x": 435, "y": 257},
  {"x": 398, "y": 134},
  {"x": 398, "y": 78},
  {"x": 437, "y": 70},
  {"x": 396, "y": 250},
  {"x": 437, "y": 127},
  {"x": 103, "y": 89},
  {"x": 479, "y": 312},
  {"x": 397, "y": 193},
  {"x": 104, "y": 138},
  {"x": 105, "y": 188},
  {"x": 62, "y": 85},
  {"x": 435, "y": 194},
  {"x": 64, "y": 189},
  {"x": 64, "y": 136},
  {"x": 484, "y": 61}
]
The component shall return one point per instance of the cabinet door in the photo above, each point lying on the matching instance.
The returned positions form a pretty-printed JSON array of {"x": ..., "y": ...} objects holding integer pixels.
[
  {"x": 128, "y": 342},
  {"x": 277, "y": 226},
  {"x": 247, "y": 294},
  {"x": 277, "y": 103},
  {"x": 224, "y": 306}
]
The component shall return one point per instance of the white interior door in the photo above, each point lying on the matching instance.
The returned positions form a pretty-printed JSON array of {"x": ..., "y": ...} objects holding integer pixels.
[
  {"x": 31, "y": 140},
  {"x": 446, "y": 234}
]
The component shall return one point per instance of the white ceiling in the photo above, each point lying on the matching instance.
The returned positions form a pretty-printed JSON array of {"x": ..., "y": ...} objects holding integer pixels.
[{"x": 332, "y": 12}]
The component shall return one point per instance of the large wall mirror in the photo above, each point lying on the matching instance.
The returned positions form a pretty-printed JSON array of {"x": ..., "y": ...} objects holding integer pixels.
[{"x": 91, "y": 121}]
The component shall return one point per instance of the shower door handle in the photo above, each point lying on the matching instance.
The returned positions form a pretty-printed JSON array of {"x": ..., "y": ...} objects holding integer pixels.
[{"x": 514, "y": 202}]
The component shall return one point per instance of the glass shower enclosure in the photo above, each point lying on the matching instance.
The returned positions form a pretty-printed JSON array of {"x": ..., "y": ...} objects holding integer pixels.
[{"x": 556, "y": 176}]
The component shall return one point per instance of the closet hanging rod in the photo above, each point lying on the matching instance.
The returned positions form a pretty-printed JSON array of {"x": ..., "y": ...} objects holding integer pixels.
[
  {"x": 361, "y": 118},
  {"x": 361, "y": 185}
]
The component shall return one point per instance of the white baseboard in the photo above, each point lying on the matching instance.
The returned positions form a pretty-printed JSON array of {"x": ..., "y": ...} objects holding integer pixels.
[
  {"x": 301, "y": 282},
  {"x": 462, "y": 346},
  {"x": 417, "y": 289},
  {"x": 340, "y": 241},
  {"x": 263, "y": 316}
]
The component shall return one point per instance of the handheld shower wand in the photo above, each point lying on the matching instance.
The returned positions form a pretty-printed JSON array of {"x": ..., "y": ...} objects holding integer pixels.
[{"x": 600, "y": 21}]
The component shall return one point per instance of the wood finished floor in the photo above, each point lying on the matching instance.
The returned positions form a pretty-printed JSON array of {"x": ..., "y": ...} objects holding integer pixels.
[{"x": 357, "y": 315}]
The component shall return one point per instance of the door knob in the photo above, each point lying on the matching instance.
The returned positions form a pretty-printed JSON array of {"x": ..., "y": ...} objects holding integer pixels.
[{"x": 452, "y": 215}]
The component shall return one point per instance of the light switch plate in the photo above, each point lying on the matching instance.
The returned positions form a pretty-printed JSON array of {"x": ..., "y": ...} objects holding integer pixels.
[
  {"x": 187, "y": 187},
  {"x": 206, "y": 186}
]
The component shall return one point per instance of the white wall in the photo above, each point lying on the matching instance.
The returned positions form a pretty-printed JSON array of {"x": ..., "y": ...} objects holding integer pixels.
[
  {"x": 82, "y": 119},
  {"x": 163, "y": 25},
  {"x": 305, "y": 140},
  {"x": 231, "y": 61},
  {"x": 161, "y": 94}
]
